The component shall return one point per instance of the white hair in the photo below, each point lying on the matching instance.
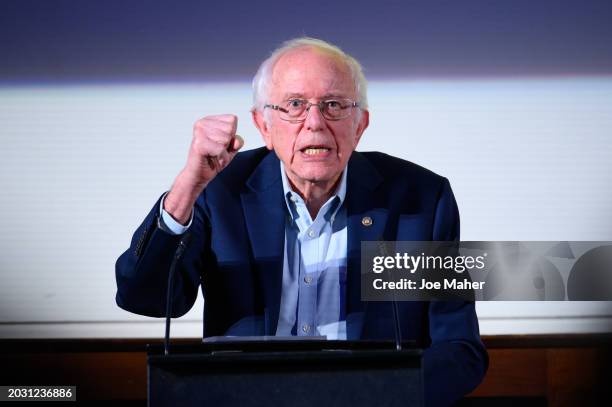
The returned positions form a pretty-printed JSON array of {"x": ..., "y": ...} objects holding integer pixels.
[{"x": 261, "y": 80}]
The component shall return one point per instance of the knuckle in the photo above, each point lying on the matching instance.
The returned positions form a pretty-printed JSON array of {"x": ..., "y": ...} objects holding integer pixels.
[
  {"x": 215, "y": 149},
  {"x": 201, "y": 146},
  {"x": 199, "y": 129},
  {"x": 227, "y": 130}
]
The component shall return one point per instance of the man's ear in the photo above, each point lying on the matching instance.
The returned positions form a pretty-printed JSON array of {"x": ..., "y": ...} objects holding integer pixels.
[
  {"x": 262, "y": 126},
  {"x": 364, "y": 122}
]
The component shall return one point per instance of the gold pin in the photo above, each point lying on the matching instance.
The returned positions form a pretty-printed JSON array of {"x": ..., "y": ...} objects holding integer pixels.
[{"x": 366, "y": 221}]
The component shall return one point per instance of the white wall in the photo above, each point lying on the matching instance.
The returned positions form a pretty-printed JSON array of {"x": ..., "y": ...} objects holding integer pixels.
[{"x": 528, "y": 159}]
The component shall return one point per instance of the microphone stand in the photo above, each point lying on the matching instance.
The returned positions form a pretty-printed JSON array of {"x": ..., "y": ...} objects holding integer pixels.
[
  {"x": 396, "y": 322},
  {"x": 177, "y": 255}
]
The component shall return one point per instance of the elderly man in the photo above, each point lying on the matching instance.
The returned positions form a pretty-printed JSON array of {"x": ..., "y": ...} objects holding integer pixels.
[{"x": 276, "y": 231}]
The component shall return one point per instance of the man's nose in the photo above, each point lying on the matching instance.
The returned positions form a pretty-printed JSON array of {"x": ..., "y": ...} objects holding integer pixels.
[{"x": 314, "y": 118}]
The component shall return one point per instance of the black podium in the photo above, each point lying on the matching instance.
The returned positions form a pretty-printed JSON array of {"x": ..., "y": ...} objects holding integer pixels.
[{"x": 312, "y": 373}]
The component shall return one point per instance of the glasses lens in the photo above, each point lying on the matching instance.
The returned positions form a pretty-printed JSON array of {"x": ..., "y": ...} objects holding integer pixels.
[
  {"x": 337, "y": 108},
  {"x": 295, "y": 109}
]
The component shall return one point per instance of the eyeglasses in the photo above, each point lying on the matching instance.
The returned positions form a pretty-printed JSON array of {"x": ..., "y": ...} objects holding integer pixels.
[{"x": 296, "y": 110}]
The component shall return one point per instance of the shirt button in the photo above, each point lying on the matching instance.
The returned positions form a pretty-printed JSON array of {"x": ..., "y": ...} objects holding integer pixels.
[
  {"x": 306, "y": 328},
  {"x": 311, "y": 233},
  {"x": 293, "y": 198},
  {"x": 308, "y": 279}
]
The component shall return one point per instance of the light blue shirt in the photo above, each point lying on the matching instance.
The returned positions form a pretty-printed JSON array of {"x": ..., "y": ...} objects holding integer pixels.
[
  {"x": 314, "y": 268},
  {"x": 313, "y": 296}
]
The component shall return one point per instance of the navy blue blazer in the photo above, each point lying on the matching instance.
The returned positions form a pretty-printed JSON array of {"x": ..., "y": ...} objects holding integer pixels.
[{"x": 236, "y": 254}]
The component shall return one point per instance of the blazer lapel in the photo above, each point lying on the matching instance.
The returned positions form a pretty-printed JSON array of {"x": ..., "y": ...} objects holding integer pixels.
[
  {"x": 367, "y": 218},
  {"x": 264, "y": 212}
]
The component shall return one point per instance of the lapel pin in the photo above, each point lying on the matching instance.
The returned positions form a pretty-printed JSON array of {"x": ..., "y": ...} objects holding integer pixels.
[{"x": 366, "y": 221}]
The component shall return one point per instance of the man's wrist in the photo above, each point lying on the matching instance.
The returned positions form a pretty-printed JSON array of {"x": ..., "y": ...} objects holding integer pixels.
[
  {"x": 170, "y": 225},
  {"x": 181, "y": 198}
]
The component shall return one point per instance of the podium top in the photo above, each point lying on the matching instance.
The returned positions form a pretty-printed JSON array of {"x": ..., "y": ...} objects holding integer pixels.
[{"x": 224, "y": 345}]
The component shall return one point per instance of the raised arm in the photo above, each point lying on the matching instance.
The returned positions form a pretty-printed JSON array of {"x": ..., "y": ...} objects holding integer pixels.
[{"x": 142, "y": 270}]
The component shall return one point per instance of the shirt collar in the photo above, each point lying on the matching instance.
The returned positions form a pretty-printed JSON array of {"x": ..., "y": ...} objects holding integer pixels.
[{"x": 288, "y": 192}]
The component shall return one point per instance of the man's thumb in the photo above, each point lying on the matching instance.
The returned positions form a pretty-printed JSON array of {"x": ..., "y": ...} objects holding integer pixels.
[{"x": 236, "y": 144}]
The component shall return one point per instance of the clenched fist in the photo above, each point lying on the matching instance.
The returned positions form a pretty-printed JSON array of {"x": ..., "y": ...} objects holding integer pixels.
[{"x": 214, "y": 145}]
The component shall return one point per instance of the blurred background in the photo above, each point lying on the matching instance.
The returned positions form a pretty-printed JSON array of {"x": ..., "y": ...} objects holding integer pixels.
[{"x": 512, "y": 101}]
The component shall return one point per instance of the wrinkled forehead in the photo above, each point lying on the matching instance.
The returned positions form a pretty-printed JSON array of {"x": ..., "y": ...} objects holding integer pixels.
[{"x": 313, "y": 73}]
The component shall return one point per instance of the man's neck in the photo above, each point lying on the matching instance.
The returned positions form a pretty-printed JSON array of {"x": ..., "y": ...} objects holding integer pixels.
[{"x": 315, "y": 194}]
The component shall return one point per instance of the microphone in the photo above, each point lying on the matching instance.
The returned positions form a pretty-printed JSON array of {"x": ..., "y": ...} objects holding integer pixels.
[
  {"x": 177, "y": 255},
  {"x": 396, "y": 322}
]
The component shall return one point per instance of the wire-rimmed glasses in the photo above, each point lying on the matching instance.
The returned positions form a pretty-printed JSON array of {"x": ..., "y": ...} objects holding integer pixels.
[{"x": 296, "y": 110}]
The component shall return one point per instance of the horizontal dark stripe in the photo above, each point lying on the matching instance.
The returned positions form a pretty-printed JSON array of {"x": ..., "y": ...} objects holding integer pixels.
[
  {"x": 139, "y": 344},
  {"x": 118, "y": 40}
]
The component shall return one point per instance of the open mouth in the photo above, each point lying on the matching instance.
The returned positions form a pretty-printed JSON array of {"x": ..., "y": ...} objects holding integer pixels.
[{"x": 315, "y": 150}]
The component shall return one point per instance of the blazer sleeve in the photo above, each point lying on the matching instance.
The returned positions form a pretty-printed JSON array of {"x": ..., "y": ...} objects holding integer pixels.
[
  {"x": 456, "y": 361},
  {"x": 142, "y": 270}
]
